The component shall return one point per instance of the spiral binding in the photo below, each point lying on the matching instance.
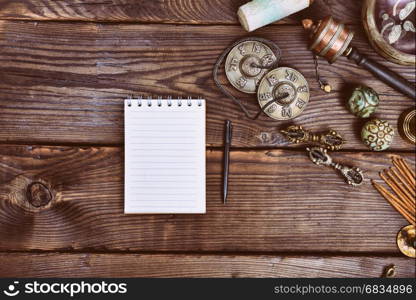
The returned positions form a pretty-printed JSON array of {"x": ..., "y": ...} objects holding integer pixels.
[{"x": 160, "y": 101}]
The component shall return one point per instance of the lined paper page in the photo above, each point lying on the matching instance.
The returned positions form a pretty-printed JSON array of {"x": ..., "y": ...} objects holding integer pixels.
[{"x": 164, "y": 156}]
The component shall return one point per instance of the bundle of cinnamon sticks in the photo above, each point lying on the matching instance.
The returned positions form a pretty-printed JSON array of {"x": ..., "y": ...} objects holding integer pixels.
[{"x": 401, "y": 180}]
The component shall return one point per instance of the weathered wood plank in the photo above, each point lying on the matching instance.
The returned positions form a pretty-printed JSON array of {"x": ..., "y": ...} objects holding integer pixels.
[
  {"x": 157, "y": 11},
  {"x": 65, "y": 83},
  {"x": 223, "y": 266},
  {"x": 278, "y": 201}
]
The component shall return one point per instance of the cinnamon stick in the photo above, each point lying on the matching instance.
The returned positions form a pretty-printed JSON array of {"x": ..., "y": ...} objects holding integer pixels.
[
  {"x": 404, "y": 170},
  {"x": 407, "y": 167},
  {"x": 392, "y": 182},
  {"x": 403, "y": 183},
  {"x": 394, "y": 202}
]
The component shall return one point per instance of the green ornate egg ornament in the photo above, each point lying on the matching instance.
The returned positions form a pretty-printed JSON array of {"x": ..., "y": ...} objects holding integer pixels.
[
  {"x": 363, "y": 102},
  {"x": 377, "y": 134}
]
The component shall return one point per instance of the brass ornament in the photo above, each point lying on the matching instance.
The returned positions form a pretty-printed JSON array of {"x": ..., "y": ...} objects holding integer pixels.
[
  {"x": 389, "y": 272},
  {"x": 377, "y": 134},
  {"x": 363, "y": 102},
  {"x": 247, "y": 63},
  {"x": 330, "y": 140},
  {"x": 319, "y": 156},
  {"x": 406, "y": 240},
  {"x": 407, "y": 125},
  {"x": 289, "y": 90}
]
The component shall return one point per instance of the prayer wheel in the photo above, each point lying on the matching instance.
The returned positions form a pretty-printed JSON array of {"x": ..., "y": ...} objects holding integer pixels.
[{"x": 331, "y": 39}]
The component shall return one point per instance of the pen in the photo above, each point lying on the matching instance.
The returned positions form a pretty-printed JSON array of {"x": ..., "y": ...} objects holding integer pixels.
[{"x": 227, "y": 145}]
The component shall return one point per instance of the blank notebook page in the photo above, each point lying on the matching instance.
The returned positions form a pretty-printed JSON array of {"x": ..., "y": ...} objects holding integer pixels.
[{"x": 164, "y": 156}]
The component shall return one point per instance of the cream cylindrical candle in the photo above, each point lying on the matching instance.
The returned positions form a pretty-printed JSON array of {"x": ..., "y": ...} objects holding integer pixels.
[{"x": 258, "y": 13}]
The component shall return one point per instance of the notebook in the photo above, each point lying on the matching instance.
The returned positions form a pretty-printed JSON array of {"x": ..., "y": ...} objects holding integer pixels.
[{"x": 164, "y": 156}]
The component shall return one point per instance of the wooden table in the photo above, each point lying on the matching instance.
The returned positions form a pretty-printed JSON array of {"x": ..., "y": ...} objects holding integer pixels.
[{"x": 65, "y": 68}]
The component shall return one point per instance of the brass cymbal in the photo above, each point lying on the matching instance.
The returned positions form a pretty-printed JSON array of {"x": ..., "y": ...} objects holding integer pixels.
[
  {"x": 283, "y": 81},
  {"x": 406, "y": 239},
  {"x": 247, "y": 63}
]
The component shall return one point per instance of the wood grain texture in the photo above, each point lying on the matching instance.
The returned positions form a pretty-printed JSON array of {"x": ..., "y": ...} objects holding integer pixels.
[
  {"x": 64, "y": 83},
  {"x": 193, "y": 266},
  {"x": 278, "y": 201},
  {"x": 60, "y": 85},
  {"x": 158, "y": 11}
]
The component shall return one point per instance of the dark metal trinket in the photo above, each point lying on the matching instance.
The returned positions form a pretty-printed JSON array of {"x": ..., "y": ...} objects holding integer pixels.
[
  {"x": 389, "y": 271},
  {"x": 330, "y": 140},
  {"x": 319, "y": 156}
]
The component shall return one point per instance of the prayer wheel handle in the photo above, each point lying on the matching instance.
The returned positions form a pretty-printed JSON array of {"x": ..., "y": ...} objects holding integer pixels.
[
  {"x": 331, "y": 39},
  {"x": 383, "y": 73}
]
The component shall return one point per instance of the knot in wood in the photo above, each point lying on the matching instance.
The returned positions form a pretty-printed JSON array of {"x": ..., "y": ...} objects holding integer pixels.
[{"x": 38, "y": 194}]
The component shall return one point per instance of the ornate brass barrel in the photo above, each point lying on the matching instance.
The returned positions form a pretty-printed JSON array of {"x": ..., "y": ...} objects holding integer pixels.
[{"x": 329, "y": 38}]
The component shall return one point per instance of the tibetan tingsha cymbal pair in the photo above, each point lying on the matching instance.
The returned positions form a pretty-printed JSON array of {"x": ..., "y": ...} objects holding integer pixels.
[{"x": 251, "y": 67}]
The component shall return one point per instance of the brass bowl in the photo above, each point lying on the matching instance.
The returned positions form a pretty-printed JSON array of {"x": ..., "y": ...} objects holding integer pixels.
[
  {"x": 379, "y": 27},
  {"x": 406, "y": 240}
]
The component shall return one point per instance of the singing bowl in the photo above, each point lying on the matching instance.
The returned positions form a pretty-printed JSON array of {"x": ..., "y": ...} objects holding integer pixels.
[{"x": 388, "y": 26}]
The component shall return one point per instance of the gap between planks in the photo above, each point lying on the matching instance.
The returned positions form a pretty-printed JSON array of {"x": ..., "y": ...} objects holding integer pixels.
[
  {"x": 300, "y": 148},
  {"x": 209, "y": 253}
]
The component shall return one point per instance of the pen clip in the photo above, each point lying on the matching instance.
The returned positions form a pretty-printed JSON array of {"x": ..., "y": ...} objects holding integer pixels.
[{"x": 229, "y": 132}]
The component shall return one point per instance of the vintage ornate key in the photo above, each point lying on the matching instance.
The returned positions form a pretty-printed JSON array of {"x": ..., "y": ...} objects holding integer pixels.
[
  {"x": 330, "y": 140},
  {"x": 354, "y": 176}
]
